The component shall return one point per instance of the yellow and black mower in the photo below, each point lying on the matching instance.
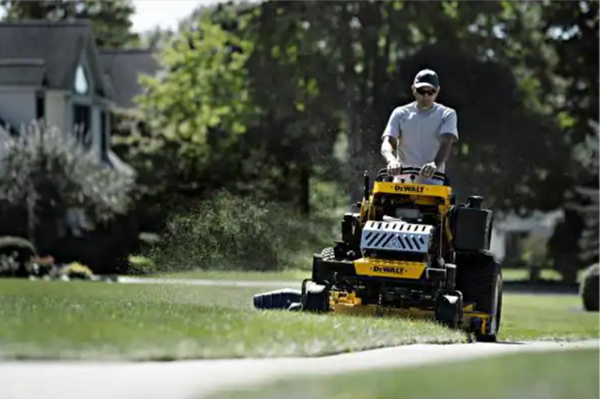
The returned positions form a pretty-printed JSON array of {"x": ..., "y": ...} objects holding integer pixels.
[{"x": 410, "y": 251}]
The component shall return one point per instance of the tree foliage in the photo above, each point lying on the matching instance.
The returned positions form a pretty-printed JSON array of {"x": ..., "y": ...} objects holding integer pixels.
[
  {"x": 305, "y": 88},
  {"x": 111, "y": 19}
]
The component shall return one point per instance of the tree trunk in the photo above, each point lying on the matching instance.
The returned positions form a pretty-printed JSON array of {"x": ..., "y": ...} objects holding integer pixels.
[
  {"x": 305, "y": 190},
  {"x": 31, "y": 218}
]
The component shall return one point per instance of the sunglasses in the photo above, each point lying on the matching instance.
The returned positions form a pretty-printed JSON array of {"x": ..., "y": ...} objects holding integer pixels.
[{"x": 426, "y": 92}]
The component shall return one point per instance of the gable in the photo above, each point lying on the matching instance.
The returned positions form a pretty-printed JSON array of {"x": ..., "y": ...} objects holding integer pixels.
[{"x": 48, "y": 51}]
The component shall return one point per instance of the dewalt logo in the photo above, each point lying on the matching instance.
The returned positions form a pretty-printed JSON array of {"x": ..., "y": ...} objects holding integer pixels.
[
  {"x": 408, "y": 189},
  {"x": 389, "y": 269}
]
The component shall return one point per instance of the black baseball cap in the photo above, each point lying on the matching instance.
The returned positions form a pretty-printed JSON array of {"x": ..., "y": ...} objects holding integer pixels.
[{"x": 427, "y": 78}]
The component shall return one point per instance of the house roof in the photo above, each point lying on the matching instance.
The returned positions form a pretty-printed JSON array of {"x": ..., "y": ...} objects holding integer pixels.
[
  {"x": 23, "y": 71},
  {"x": 36, "y": 51},
  {"x": 46, "y": 53},
  {"x": 124, "y": 67}
]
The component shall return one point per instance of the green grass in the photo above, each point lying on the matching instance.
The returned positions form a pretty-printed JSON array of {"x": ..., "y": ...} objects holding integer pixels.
[
  {"x": 299, "y": 274},
  {"x": 546, "y": 317},
  {"x": 120, "y": 321},
  {"x": 287, "y": 275},
  {"x": 569, "y": 375},
  {"x": 112, "y": 321},
  {"x": 509, "y": 274}
]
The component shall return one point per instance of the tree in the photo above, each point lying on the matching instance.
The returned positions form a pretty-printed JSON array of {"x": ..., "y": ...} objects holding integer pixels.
[
  {"x": 571, "y": 30},
  {"x": 49, "y": 174},
  {"x": 196, "y": 131},
  {"x": 111, "y": 19}
]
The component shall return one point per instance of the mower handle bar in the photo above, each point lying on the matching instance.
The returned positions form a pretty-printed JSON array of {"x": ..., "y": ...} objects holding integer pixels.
[{"x": 411, "y": 169}]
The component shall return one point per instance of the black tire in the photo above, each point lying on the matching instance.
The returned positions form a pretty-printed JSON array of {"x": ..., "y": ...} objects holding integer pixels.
[
  {"x": 448, "y": 314},
  {"x": 589, "y": 288},
  {"x": 316, "y": 302},
  {"x": 320, "y": 274},
  {"x": 479, "y": 278},
  {"x": 328, "y": 253}
]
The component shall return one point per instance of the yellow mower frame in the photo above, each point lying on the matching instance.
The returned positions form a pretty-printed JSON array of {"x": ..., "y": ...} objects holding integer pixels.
[{"x": 346, "y": 274}]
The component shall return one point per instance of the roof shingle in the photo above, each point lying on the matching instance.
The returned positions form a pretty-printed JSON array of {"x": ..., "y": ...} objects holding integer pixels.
[
  {"x": 124, "y": 67},
  {"x": 57, "y": 43}
]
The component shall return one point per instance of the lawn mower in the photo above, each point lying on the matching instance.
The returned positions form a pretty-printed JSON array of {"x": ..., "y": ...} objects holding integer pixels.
[{"x": 410, "y": 251}]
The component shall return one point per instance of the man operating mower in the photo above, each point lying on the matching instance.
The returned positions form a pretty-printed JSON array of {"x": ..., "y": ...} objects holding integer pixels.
[{"x": 420, "y": 134}]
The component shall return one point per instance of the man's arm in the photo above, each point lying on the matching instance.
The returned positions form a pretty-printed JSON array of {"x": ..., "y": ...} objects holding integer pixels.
[
  {"x": 447, "y": 139},
  {"x": 448, "y": 136},
  {"x": 388, "y": 148},
  {"x": 390, "y": 137}
]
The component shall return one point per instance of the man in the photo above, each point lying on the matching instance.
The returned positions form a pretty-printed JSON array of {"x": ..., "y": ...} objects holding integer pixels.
[{"x": 422, "y": 132}]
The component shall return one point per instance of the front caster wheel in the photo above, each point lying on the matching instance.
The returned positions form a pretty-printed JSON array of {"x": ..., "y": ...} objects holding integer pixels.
[{"x": 449, "y": 309}]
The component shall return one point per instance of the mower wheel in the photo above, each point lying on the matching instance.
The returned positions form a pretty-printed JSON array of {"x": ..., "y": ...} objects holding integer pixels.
[
  {"x": 316, "y": 299},
  {"x": 479, "y": 278},
  {"x": 449, "y": 309},
  {"x": 328, "y": 253}
]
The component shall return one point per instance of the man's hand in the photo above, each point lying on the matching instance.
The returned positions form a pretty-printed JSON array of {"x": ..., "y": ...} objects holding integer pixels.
[
  {"x": 428, "y": 170},
  {"x": 393, "y": 167}
]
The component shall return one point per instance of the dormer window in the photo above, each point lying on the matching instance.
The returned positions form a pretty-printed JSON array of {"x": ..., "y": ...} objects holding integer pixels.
[{"x": 81, "y": 81}]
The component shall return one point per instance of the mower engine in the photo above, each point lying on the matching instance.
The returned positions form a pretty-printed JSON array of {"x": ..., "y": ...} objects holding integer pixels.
[{"x": 397, "y": 236}]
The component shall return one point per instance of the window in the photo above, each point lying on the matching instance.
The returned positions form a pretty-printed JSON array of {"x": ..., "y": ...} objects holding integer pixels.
[
  {"x": 82, "y": 124},
  {"x": 40, "y": 105},
  {"x": 81, "y": 81},
  {"x": 104, "y": 135}
]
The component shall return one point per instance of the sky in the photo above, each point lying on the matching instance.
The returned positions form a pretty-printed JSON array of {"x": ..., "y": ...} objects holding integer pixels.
[{"x": 163, "y": 13}]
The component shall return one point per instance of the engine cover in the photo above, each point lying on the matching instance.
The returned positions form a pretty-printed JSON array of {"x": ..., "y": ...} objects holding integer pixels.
[{"x": 396, "y": 236}]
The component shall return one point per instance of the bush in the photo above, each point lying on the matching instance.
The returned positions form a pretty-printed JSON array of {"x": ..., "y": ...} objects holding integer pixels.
[
  {"x": 47, "y": 173},
  {"x": 228, "y": 233},
  {"x": 589, "y": 288},
  {"x": 21, "y": 251}
]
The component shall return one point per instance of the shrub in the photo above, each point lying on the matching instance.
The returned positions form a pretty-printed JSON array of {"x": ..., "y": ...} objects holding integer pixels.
[
  {"x": 229, "y": 232},
  {"x": 48, "y": 173},
  {"x": 589, "y": 288},
  {"x": 17, "y": 254}
]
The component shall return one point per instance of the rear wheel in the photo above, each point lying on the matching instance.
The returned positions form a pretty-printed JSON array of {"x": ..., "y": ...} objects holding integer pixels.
[{"x": 479, "y": 278}]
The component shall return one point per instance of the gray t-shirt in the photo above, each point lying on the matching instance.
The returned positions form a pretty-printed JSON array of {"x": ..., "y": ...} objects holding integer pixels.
[{"x": 418, "y": 132}]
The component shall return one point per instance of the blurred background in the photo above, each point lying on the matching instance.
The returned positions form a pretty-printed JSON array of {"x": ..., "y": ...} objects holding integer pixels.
[{"x": 237, "y": 137}]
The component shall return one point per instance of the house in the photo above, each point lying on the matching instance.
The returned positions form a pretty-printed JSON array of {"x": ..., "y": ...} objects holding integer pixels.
[
  {"x": 53, "y": 70},
  {"x": 509, "y": 229}
]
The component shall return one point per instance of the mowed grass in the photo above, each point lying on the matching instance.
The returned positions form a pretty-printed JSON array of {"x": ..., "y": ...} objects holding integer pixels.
[
  {"x": 299, "y": 274},
  {"x": 83, "y": 320},
  {"x": 552, "y": 375},
  {"x": 546, "y": 317},
  {"x": 151, "y": 321},
  {"x": 510, "y": 274}
]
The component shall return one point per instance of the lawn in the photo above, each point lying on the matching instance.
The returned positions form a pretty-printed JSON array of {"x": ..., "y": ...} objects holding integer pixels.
[
  {"x": 542, "y": 317},
  {"x": 570, "y": 375},
  {"x": 118, "y": 321},
  {"x": 299, "y": 274},
  {"x": 150, "y": 321}
]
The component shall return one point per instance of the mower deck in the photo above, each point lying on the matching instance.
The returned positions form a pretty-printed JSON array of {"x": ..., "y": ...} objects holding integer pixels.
[{"x": 350, "y": 304}]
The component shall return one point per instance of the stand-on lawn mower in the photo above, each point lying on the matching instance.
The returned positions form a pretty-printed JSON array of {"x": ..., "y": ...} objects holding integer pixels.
[{"x": 410, "y": 251}]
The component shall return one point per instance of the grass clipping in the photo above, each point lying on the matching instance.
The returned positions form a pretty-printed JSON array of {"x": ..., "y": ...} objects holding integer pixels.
[{"x": 228, "y": 232}]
